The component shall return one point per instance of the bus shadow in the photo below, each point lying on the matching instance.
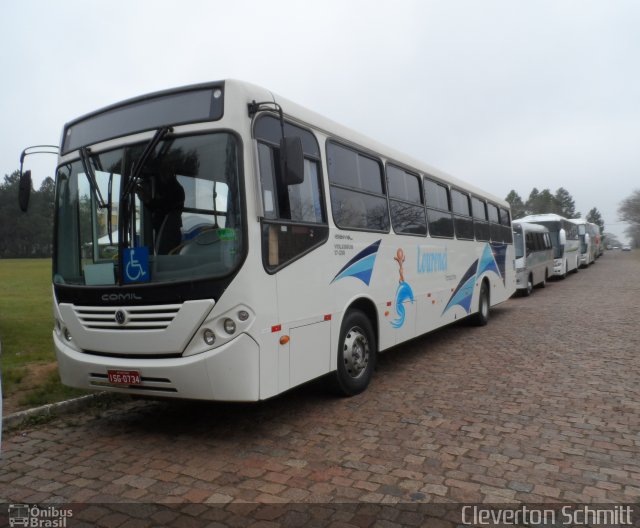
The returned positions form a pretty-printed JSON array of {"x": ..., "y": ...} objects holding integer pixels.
[{"x": 237, "y": 421}]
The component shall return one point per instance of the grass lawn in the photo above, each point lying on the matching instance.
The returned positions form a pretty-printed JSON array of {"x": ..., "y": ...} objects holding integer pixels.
[{"x": 26, "y": 323}]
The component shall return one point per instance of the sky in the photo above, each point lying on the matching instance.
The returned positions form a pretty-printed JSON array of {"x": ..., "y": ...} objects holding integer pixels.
[{"x": 504, "y": 94}]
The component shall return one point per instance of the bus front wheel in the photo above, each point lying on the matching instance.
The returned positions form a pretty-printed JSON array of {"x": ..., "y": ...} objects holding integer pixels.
[{"x": 356, "y": 354}]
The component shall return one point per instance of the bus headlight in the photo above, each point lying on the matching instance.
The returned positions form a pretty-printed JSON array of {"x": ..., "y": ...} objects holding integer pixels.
[
  {"x": 229, "y": 326},
  {"x": 67, "y": 335},
  {"x": 208, "y": 336},
  {"x": 243, "y": 315}
]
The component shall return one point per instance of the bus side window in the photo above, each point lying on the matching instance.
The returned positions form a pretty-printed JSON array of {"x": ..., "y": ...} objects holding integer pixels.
[
  {"x": 405, "y": 201},
  {"x": 494, "y": 220},
  {"x": 462, "y": 215},
  {"x": 358, "y": 196},
  {"x": 438, "y": 209},
  {"x": 294, "y": 219},
  {"x": 505, "y": 222},
  {"x": 480, "y": 222}
]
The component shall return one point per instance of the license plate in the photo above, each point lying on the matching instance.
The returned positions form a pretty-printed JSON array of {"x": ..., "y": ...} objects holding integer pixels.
[{"x": 124, "y": 377}]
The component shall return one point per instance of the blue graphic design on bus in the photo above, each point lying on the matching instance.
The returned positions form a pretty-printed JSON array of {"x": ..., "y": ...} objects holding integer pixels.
[
  {"x": 464, "y": 292},
  {"x": 430, "y": 261},
  {"x": 360, "y": 266},
  {"x": 493, "y": 259},
  {"x": 404, "y": 292}
]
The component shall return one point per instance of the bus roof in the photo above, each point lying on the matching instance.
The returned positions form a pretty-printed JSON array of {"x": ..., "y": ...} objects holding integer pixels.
[
  {"x": 547, "y": 217},
  {"x": 530, "y": 226},
  {"x": 350, "y": 136}
]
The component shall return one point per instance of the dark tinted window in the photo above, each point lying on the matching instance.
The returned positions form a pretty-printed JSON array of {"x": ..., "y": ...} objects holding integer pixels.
[
  {"x": 357, "y": 193},
  {"x": 460, "y": 203},
  {"x": 493, "y": 213},
  {"x": 438, "y": 209},
  {"x": 403, "y": 185},
  {"x": 407, "y": 212},
  {"x": 436, "y": 195},
  {"x": 440, "y": 223},
  {"x": 353, "y": 169},
  {"x": 359, "y": 210},
  {"x": 479, "y": 209}
]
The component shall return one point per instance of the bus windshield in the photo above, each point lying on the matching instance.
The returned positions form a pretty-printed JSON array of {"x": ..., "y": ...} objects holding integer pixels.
[
  {"x": 184, "y": 215},
  {"x": 518, "y": 243}
]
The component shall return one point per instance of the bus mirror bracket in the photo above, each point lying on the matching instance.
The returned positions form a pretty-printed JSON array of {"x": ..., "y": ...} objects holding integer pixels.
[
  {"x": 291, "y": 160},
  {"x": 291, "y": 152},
  {"x": 562, "y": 237},
  {"x": 24, "y": 188}
]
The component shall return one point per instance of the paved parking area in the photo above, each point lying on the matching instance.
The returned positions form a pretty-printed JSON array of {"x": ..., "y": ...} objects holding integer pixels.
[{"x": 541, "y": 405}]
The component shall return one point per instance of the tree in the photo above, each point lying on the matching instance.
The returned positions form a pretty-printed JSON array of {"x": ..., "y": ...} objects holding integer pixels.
[
  {"x": 518, "y": 209},
  {"x": 24, "y": 235},
  {"x": 566, "y": 205},
  {"x": 610, "y": 240},
  {"x": 541, "y": 202},
  {"x": 629, "y": 211},
  {"x": 595, "y": 217}
]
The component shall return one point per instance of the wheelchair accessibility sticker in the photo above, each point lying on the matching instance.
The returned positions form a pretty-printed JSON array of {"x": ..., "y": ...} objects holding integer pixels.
[{"x": 136, "y": 265}]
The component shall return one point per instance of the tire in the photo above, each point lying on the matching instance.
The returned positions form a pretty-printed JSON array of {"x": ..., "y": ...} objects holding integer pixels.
[
  {"x": 529, "y": 289},
  {"x": 481, "y": 317},
  {"x": 543, "y": 284},
  {"x": 356, "y": 354}
]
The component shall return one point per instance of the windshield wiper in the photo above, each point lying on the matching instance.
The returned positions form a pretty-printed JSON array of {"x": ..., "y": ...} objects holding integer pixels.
[
  {"x": 137, "y": 168},
  {"x": 91, "y": 175}
]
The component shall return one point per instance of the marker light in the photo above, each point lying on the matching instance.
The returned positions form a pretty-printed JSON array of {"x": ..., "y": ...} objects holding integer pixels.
[
  {"x": 243, "y": 315},
  {"x": 208, "y": 336},
  {"x": 229, "y": 326}
]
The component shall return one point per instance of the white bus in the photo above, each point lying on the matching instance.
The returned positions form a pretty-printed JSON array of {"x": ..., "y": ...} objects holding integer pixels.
[
  {"x": 587, "y": 233},
  {"x": 534, "y": 256},
  {"x": 564, "y": 238},
  {"x": 220, "y": 242}
]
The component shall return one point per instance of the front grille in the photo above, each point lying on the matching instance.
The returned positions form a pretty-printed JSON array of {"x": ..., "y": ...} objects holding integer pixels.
[{"x": 135, "y": 317}]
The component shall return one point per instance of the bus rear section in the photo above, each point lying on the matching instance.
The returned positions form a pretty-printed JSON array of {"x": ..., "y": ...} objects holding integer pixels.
[{"x": 534, "y": 256}]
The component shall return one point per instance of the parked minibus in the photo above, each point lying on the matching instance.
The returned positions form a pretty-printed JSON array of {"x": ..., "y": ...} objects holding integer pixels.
[{"x": 534, "y": 256}]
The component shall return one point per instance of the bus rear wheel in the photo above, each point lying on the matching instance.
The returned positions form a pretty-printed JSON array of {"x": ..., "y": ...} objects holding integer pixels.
[
  {"x": 481, "y": 317},
  {"x": 356, "y": 354}
]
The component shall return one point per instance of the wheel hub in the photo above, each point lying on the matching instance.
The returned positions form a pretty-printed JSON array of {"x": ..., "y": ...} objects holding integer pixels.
[{"x": 355, "y": 352}]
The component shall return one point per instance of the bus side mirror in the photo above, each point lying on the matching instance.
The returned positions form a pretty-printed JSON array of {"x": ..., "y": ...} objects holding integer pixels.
[
  {"x": 291, "y": 160},
  {"x": 563, "y": 237},
  {"x": 24, "y": 190}
]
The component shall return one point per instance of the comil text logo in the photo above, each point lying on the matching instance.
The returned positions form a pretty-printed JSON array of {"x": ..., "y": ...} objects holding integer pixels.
[{"x": 37, "y": 516}]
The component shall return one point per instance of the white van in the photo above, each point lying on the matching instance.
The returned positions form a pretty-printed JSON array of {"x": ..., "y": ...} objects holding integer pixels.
[{"x": 534, "y": 256}]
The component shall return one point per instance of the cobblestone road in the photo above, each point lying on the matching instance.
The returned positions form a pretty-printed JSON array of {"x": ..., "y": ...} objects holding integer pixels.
[{"x": 542, "y": 405}]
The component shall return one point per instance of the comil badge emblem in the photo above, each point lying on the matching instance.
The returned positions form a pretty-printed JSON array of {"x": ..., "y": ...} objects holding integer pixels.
[{"x": 121, "y": 317}]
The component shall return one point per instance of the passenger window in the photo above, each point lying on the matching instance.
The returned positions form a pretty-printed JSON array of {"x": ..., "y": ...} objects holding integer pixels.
[
  {"x": 480, "y": 224},
  {"x": 505, "y": 222},
  {"x": 358, "y": 199},
  {"x": 462, "y": 215},
  {"x": 438, "y": 209},
  {"x": 407, "y": 211}
]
